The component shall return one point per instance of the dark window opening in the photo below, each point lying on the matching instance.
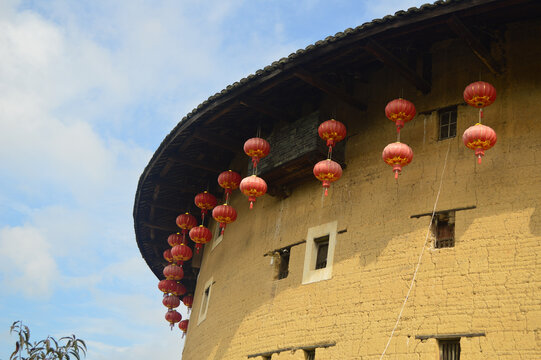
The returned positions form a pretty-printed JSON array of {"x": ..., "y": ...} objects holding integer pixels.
[
  {"x": 322, "y": 244},
  {"x": 444, "y": 230},
  {"x": 447, "y": 128},
  {"x": 310, "y": 354},
  {"x": 283, "y": 266},
  {"x": 205, "y": 299},
  {"x": 449, "y": 349}
]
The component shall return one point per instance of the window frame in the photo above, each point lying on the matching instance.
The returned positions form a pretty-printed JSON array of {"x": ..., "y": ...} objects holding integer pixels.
[
  {"x": 447, "y": 217},
  {"x": 205, "y": 300},
  {"x": 217, "y": 235},
  {"x": 448, "y": 110},
  {"x": 310, "y": 273},
  {"x": 282, "y": 255},
  {"x": 442, "y": 342}
]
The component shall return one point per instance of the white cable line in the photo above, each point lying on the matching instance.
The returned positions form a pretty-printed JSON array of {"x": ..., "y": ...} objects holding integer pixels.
[{"x": 420, "y": 256}]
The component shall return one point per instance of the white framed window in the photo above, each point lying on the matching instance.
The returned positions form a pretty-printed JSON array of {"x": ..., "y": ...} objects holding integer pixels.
[
  {"x": 217, "y": 236},
  {"x": 205, "y": 299},
  {"x": 319, "y": 254}
]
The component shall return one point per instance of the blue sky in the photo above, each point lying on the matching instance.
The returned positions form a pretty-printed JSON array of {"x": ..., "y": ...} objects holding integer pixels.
[{"x": 88, "y": 89}]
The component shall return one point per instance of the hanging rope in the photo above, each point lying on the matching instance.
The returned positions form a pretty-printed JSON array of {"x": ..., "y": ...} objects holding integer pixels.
[{"x": 420, "y": 256}]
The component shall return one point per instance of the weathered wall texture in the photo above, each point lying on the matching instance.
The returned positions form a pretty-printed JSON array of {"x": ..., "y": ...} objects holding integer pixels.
[{"x": 489, "y": 282}]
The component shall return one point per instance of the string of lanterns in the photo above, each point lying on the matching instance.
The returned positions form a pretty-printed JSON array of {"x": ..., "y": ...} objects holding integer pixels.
[
  {"x": 398, "y": 154},
  {"x": 253, "y": 186},
  {"x": 478, "y": 137},
  {"x": 328, "y": 171}
]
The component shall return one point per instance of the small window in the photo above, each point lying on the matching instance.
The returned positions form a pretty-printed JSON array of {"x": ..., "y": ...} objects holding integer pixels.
[
  {"x": 205, "y": 299},
  {"x": 444, "y": 230},
  {"x": 447, "y": 128},
  {"x": 310, "y": 354},
  {"x": 217, "y": 236},
  {"x": 319, "y": 253},
  {"x": 322, "y": 244},
  {"x": 449, "y": 349},
  {"x": 283, "y": 266}
]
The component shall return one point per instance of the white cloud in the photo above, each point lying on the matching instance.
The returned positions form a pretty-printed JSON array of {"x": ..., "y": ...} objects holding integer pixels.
[{"x": 27, "y": 264}]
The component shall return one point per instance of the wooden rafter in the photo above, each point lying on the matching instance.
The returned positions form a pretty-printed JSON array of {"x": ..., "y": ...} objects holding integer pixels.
[
  {"x": 328, "y": 88},
  {"x": 213, "y": 168},
  {"x": 265, "y": 109},
  {"x": 177, "y": 186},
  {"x": 393, "y": 61},
  {"x": 220, "y": 113},
  {"x": 165, "y": 207},
  {"x": 479, "y": 49},
  {"x": 219, "y": 141},
  {"x": 160, "y": 227}
]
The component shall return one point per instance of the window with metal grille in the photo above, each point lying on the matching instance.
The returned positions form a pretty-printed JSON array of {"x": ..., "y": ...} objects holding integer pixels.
[
  {"x": 444, "y": 230},
  {"x": 283, "y": 267},
  {"x": 310, "y": 354},
  {"x": 322, "y": 244},
  {"x": 447, "y": 128},
  {"x": 449, "y": 349}
]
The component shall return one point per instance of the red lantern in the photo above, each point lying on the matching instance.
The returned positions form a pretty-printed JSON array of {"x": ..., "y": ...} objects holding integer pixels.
[
  {"x": 479, "y": 94},
  {"x": 327, "y": 171},
  {"x": 183, "y": 325},
  {"x": 178, "y": 289},
  {"x": 173, "y": 272},
  {"x": 256, "y": 148},
  {"x": 171, "y": 301},
  {"x": 397, "y": 155},
  {"x": 224, "y": 214},
  {"x": 332, "y": 131},
  {"x": 188, "y": 301},
  {"x": 205, "y": 202},
  {"x": 479, "y": 138},
  {"x": 229, "y": 180},
  {"x": 200, "y": 235},
  {"x": 173, "y": 317},
  {"x": 167, "y": 286},
  {"x": 167, "y": 255},
  {"x": 174, "y": 239},
  {"x": 253, "y": 187},
  {"x": 186, "y": 222},
  {"x": 400, "y": 111},
  {"x": 181, "y": 253}
]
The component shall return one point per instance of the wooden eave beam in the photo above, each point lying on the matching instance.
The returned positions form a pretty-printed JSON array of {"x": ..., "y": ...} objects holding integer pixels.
[
  {"x": 219, "y": 141},
  {"x": 196, "y": 164},
  {"x": 328, "y": 88},
  {"x": 165, "y": 207},
  {"x": 160, "y": 227},
  {"x": 394, "y": 62},
  {"x": 176, "y": 186},
  {"x": 478, "y": 48},
  {"x": 265, "y": 109},
  {"x": 220, "y": 113}
]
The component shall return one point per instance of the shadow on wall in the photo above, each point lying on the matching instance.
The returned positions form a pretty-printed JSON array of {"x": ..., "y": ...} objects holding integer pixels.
[{"x": 535, "y": 222}]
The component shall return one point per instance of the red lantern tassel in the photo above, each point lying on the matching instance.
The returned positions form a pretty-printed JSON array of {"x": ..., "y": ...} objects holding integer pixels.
[{"x": 197, "y": 247}]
